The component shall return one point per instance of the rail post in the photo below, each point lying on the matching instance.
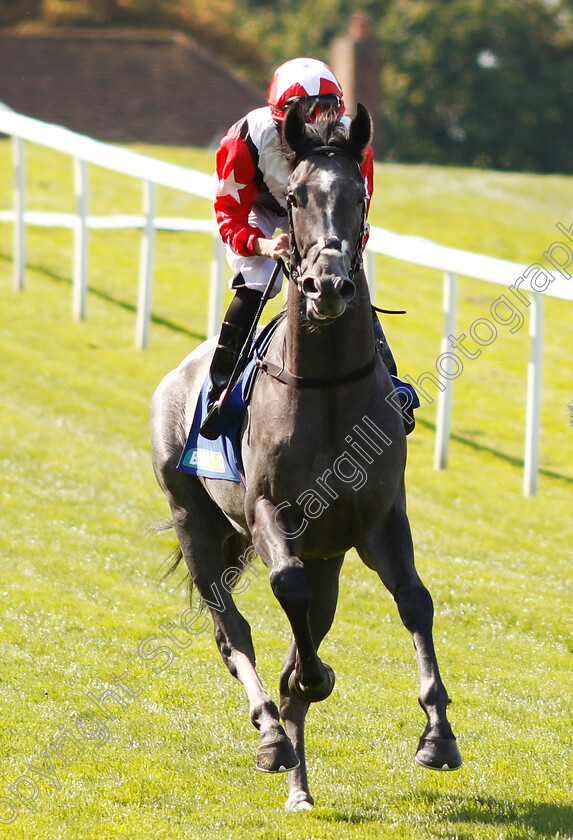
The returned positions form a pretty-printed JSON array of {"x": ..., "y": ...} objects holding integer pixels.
[
  {"x": 370, "y": 266},
  {"x": 534, "y": 388},
  {"x": 215, "y": 314},
  {"x": 19, "y": 158},
  {"x": 81, "y": 239},
  {"x": 146, "y": 264},
  {"x": 446, "y": 397}
]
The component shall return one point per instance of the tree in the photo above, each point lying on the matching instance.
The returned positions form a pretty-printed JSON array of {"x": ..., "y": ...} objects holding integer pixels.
[
  {"x": 473, "y": 82},
  {"x": 12, "y": 11},
  {"x": 302, "y": 27},
  {"x": 466, "y": 82}
]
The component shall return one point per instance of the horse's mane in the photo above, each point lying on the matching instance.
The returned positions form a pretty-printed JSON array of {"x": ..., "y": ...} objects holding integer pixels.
[{"x": 324, "y": 132}]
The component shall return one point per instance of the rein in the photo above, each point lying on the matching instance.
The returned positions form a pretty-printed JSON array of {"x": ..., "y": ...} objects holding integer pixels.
[
  {"x": 388, "y": 311},
  {"x": 287, "y": 378}
]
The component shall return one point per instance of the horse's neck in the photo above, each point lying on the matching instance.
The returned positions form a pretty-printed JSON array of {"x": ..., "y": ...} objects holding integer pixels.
[{"x": 329, "y": 350}]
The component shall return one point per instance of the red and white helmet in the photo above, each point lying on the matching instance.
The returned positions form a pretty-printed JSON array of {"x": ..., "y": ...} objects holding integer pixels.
[{"x": 310, "y": 82}]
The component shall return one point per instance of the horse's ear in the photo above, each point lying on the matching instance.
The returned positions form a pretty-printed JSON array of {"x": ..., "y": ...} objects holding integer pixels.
[
  {"x": 360, "y": 133},
  {"x": 294, "y": 127}
]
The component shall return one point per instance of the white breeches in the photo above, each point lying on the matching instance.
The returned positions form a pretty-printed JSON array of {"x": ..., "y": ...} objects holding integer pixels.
[{"x": 256, "y": 271}]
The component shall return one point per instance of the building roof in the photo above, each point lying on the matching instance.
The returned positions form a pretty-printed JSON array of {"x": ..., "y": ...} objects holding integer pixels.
[{"x": 123, "y": 85}]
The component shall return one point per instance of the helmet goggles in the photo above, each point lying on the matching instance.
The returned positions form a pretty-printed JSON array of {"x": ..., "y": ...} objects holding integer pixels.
[{"x": 323, "y": 106}]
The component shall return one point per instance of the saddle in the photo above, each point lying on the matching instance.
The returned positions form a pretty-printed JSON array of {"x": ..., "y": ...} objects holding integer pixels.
[{"x": 221, "y": 458}]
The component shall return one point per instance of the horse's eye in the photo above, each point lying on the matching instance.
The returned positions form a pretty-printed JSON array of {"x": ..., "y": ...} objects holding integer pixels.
[{"x": 291, "y": 200}]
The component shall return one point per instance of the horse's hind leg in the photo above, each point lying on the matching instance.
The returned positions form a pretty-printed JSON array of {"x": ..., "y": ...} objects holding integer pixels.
[
  {"x": 199, "y": 527},
  {"x": 323, "y": 576},
  {"x": 390, "y": 553}
]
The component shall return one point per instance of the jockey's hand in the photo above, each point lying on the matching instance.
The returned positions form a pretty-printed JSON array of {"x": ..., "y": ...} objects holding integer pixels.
[{"x": 276, "y": 248}]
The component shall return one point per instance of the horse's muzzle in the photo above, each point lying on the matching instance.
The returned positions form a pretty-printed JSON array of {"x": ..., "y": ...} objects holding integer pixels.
[{"x": 326, "y": 297}]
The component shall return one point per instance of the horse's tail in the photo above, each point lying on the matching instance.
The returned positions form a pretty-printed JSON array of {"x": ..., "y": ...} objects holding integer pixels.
[
  {"x": 175, "y": 556},
  {"x": 237, "y": 554}
]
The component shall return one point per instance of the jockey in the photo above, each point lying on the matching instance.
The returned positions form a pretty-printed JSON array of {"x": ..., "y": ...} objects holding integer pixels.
[{"x": 250, "y": 203}]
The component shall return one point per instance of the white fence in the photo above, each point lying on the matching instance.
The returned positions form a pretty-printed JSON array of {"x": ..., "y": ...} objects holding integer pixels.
[{"x": 152, "y": 172}]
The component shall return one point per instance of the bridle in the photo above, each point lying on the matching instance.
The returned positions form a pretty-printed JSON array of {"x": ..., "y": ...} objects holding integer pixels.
[
  {"x": 322, "y": 244},
  {"x": 293, "y": 269}
]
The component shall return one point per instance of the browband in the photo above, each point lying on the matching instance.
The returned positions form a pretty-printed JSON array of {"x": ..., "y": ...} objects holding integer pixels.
[{"x": 327, "y": 150}]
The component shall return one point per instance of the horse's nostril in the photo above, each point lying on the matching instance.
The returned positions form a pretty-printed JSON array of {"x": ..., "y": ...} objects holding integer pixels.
[
  {"x": 346, "y": 289},
  {"x": 328, "y": 287},
  {"x": 310, "y": 287}
]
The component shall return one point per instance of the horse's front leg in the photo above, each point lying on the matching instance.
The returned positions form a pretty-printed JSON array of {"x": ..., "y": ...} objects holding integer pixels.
[
  {"x": 389, "y": 551},
  {"x": 324, "y": 576},
  {"x": 311, "y": 679}
]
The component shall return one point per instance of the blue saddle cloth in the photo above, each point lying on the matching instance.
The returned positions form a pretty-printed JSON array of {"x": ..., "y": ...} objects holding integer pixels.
[{"x": 221, "y": 458}]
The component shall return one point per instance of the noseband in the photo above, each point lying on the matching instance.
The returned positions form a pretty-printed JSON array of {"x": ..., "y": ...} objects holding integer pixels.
[
  {"x": 332, "y": 243},
  {"x": 293, "y": 269}
]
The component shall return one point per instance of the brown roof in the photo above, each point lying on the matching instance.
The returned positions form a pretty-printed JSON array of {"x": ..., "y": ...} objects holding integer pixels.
[{"x": 123, "y": 85}]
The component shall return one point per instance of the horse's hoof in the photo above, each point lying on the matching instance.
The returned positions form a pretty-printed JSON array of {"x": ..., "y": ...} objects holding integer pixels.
[
  {"x": 439, "y": 754},
  {"x": 312, "y": 693},
  {"x": 301, "y": 800},
  {"x": 277, "y": 756}
]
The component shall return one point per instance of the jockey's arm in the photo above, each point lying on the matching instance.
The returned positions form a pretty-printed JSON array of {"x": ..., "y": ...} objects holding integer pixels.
[
  {"x": 276, "y": 248},
  {"x": 236, "y": 191}
]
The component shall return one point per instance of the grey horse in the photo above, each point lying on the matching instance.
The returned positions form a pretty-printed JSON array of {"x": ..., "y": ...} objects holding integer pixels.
[{"x": 323, "y": 450}]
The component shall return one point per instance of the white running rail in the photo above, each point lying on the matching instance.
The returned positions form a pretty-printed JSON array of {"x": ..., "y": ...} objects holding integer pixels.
[
  {"x": 152, "y": 172},
  {"x": 517, "y": 278}
]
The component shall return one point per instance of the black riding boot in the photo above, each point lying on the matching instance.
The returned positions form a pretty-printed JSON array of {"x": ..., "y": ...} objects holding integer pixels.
[
  {"x": 234, "y": 331},
  {"x": 390, "y": 363}
]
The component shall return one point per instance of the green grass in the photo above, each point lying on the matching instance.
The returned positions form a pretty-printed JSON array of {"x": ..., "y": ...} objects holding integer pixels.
[{"x": 79, "y": 579}]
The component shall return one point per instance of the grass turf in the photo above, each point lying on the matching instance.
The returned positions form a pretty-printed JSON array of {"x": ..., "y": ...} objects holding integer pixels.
[{"x": 79, "y": 579}]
